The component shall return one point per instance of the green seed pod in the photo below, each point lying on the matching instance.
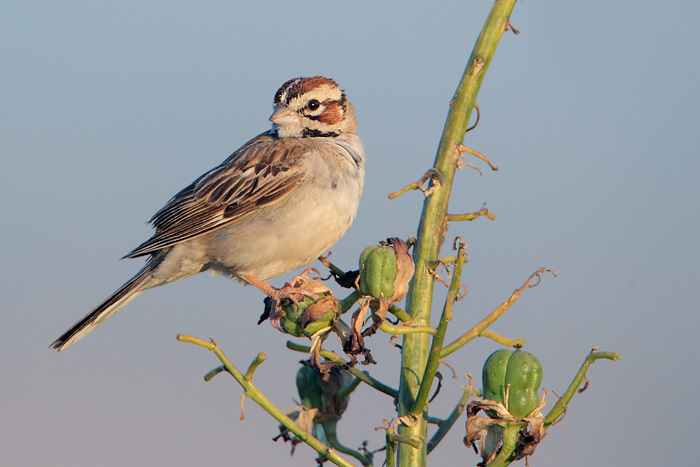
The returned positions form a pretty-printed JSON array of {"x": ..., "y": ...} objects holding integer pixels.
[
  {"x": 309, "y": 390},
  {"x": 308, "y": 316},
  {"x": 377, "y": 271},
  {"x": 523, "y": 371},
  {"x": 322, "y": 391},
  {"x": 289, "y": 322}
]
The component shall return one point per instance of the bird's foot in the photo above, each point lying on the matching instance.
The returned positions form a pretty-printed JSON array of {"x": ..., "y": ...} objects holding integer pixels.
[{"x": 299, "y": 287}]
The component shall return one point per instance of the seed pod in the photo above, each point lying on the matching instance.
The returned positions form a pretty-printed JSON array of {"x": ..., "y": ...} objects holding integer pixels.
[
  {"x": 308, "y": 316},
  {"x": 321, "y": 391},
  {"x": 377, "y": 271},
  {"x": 519, "y": 369}
]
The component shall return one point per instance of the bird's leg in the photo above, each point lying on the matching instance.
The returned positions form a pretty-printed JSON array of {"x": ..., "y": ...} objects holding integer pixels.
[{"x": 287, "y": 291}]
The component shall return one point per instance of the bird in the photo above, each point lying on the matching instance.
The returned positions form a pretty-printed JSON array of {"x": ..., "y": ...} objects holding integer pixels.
[{"x": 276, "y": 204}]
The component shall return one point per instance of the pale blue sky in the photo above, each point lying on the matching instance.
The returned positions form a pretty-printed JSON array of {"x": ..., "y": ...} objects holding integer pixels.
[{"x": 109, "y": 109}]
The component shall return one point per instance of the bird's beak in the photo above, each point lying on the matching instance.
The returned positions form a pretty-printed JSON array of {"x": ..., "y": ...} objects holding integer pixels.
[{"x": 283, "y": 115}]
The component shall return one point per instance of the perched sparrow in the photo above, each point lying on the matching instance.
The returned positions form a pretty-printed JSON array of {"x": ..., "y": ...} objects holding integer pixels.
[{"x": 275, "y": 204}]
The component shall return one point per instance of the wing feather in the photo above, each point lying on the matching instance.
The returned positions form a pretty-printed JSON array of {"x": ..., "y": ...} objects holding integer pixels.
[{"x": 261, "y": 172}]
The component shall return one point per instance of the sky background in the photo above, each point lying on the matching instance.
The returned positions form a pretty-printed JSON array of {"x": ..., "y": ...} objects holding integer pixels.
[{"x": 110, "y": 108}]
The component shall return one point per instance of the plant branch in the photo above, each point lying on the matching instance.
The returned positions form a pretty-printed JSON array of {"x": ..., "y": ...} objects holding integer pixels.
[
  {"x": 347, "y": 303},
  {"x": 329, "y": 428},
  {"x": 361, "y": 375},
  {"x": 436, "y": 346},
  {"x": 399, "y": 313},
  {"x": 471, "y": 216},
  {"x": 257, "y": 361},
  {"x": 445, "y": 425},
  {"x": 477, "y": 330},
  {"x": 560, "y": 407},
  {"x": 399, "y": 330},
  {"x": 260, "y": 399},
  {"x": 502, "y": 340}
]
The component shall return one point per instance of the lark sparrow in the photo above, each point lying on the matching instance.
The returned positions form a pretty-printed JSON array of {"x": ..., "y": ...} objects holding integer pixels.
[{"x": 276, "y": 204}]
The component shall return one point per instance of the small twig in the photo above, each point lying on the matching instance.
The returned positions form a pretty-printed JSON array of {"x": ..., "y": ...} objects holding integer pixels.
[
  {"x": 416, "y": 443},
  {"x": 347, "y": 303},
  {"x": 478, "y": 116},
  {"x": 492, "y": 317},
  {"x": 454, "y": 373},
  {"x": 560, "y": 407},
  {"x": 332, "y": 267},
  {"x": 502, "y": 340},
  {"x": 445, "y": 426},
  {"x": 461, "y": 148},
  {"x": 438, "y": 376},
  {"x": 433, "y": 174},
  {"x": 585, "y": 385},
  {"x": 329, "y": 428},
  {"x": 400, "y": 314},
  {"x": 259, "y": 398},
  {"x": 433, "y": 272},
  {"x": 400, "y": 330},
  {"x": 471, "y": 216},
  {"x": 209, "y": 376},
  {"x": 434, "y": 420},
  {"x": 257, "y": 361},
  {"x": 361, "y": 375}
]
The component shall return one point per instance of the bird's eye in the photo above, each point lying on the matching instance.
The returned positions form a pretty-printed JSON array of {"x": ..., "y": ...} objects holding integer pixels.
[{"x": 313, "y": 104}]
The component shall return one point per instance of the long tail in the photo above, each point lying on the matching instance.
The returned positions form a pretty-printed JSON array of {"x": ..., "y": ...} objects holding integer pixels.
[{"x": 104, "y": 310}]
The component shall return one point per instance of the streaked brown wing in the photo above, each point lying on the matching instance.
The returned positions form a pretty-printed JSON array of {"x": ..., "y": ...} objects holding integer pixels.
[{"x": 259, "y": 173}]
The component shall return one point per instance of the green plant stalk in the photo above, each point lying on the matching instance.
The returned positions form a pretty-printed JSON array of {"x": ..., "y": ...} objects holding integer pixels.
[
  {"x": 361, "y": 375},
  {"x": 479, "y": 329},
  {"x": 329, "y": 428},
  {"x": 257, "y": 361},
  {"x": 560, "y": 407},
  {"x": 416, "y": 346},
  {"x": 259, "y": 398},
  {"x": 434, "y": 359},
  {"x": 390, "y": 451},
  {"x": 399, "y": 313},
  {"x": 502, "y": 340},
  {"x": 347, "y": 303},
  {"x": 389, "y": 328},
  {"x": 445, "y": 425},
  {"x": 347, "y": 390},
  {"x": 510, "y": 438}
]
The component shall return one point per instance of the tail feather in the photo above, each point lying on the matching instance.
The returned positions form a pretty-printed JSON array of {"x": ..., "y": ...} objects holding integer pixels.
[{"x": 104, "y": 310}]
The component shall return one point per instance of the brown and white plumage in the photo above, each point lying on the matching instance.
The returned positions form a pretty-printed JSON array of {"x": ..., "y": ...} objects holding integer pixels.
[{"x": 274, "y": 205}]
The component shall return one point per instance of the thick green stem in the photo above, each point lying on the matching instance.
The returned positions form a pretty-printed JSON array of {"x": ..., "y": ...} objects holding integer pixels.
[
  {"x": 259, "y": 398},
  {"x": 431, "y": 229},
  {"x": 560, "y": 407}
]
